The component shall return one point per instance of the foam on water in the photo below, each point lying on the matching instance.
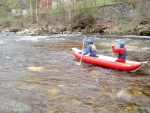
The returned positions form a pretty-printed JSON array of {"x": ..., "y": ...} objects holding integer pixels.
[
  {"x": 31, "y": 38},
  {"x": 136, "y": 36},
  {"x": 1, "y": 41},
  {"x": 57, "y": 37}
]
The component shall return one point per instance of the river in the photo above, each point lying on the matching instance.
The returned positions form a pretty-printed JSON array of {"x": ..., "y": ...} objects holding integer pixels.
[{"x": 38, "y": 74}]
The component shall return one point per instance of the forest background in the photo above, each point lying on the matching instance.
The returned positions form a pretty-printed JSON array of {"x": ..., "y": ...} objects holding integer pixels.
[{"x": 88, "y": 16}]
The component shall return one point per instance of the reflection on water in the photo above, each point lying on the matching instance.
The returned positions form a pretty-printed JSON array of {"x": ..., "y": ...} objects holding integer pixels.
[{"x": 40, "y": 75}]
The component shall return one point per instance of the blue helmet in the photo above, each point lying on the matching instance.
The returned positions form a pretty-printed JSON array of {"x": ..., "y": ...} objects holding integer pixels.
[
  {"x": 88, "y": 41},
  {"x": 122, "y": 44}
]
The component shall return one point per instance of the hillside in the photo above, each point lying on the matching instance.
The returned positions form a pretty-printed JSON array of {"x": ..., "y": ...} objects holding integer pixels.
[
  {"x": 93, "y": 16},
  {"x": 88, "y": 3}
]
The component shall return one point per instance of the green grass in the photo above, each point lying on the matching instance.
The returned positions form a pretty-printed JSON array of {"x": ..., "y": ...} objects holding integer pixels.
[
  {"x": 88, "y": 3},
  {"x": 91, "y": 3},
  {"x": 76, "y": 6},
  {"x": 83, "y": 5},
  {"x": 9, "y": 18}
]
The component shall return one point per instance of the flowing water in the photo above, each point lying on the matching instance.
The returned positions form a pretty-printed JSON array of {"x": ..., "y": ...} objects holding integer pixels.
[{"x": 38, "y": 74}]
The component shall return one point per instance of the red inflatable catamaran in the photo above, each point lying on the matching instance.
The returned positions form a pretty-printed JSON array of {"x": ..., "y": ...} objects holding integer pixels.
[{"x": 108, "y": 62}]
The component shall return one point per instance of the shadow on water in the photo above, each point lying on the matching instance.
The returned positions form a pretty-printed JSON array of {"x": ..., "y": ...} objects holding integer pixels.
[{"x": 40, "y": 75}]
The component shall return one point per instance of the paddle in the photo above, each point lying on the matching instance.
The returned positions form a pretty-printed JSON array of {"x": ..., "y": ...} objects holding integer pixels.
[
  {"x": 82, "y": 53},
  {"x": 113, "y": 44}
]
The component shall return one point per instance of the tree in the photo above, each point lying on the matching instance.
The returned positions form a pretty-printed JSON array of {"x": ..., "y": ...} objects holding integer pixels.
[
  {"x": 69, "y": 12},
  {"x": 36, "y": 11},
  {"x": 94, "y": 2},
  {"x": 31, "y": 9}
]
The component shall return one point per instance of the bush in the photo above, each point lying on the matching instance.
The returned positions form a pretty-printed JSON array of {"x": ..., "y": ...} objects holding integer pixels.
[{"x": 82, "y": 20}]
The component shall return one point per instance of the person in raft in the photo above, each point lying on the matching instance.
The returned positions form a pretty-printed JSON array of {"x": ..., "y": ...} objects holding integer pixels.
[
  {"x": 121, "y": 51},
  {"x": 90, "y": 49}
]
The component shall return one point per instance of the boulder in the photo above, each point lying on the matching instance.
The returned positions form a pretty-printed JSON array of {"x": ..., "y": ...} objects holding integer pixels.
[
  {"x": 14, "y": 30},
  {"x": 142, "y": 29},
  {"x": 145, "y": 30}
]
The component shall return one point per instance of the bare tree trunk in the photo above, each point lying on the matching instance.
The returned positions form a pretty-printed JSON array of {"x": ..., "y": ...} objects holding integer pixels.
[
  {"x": 63, "y": 8},
  {"x": 94, "y": 2},
  {"x": 69, "y": 13},
  {"x": 47, "y": 4},
  {"x": 144, "y": 11},
  {"x": 73, "y": 4},
  {"x": 31, "y": 11},
  {"x": 36, "y": 12}
]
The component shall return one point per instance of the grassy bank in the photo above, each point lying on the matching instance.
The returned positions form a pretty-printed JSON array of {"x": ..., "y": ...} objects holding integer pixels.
[
  {"x": 81, "y": 18},
  {"x": 7, "y": 17}
]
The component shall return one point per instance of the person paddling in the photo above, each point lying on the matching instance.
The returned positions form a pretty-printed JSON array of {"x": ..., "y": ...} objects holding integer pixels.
[
  {"x": 90, "y": 49},
  {"x": 121, "y": 51}
]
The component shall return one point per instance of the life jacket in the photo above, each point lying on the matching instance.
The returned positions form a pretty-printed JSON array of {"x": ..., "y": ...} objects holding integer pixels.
[
  {"x": 93, "y": 47},
  {"x": 123, "y": 55}
]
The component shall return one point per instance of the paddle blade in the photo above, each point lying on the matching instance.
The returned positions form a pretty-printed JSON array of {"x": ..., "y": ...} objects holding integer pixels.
[{"x": 79, "y": 63}]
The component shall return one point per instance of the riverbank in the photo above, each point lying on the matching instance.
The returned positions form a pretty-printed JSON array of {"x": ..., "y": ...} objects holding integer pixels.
[
  {"x": 141, "y": 28},
  {"x": 121, "y": 19}
]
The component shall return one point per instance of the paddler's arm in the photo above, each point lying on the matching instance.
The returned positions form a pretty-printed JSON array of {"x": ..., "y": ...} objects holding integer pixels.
[
  {"x": 87, "y": 50},
  {"x": 115, "y": 50}
]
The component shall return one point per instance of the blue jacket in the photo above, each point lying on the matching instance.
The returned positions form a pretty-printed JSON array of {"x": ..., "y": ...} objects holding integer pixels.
[{"x": 90, "y": 49}]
